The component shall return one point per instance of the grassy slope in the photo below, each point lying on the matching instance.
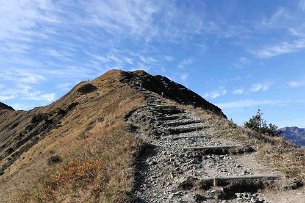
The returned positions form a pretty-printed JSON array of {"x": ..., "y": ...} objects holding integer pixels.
[
  {"x": 273, "y": 152},
  {"x": 93, "y": 143},
  {"x": 97, "y": 150}
]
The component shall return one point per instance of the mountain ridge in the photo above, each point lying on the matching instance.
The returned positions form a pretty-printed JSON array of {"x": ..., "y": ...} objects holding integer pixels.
[
  {"x": 169, "y": 89},
  {"x": 294, "y": 134},
  {"x": 91, "y": 144},
  {"x": 56, "y": 130}
]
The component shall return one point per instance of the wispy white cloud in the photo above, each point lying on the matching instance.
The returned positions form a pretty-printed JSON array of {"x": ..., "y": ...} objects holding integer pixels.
[
  {"x": 223, "y": 30},
  {"x": 279, "y": 14},
  {"x": 22, "y": 17},
  {"x": 145, "y": 59},
  {"x": 119, "y": 16},
  {"x": 249, "y": 103},
  {"x": 34, "y": 26},
  {"x": 238, "y": 91},
  {"x": 302, "y": 4},
  {"x": 215, "y": 94},
  {"x": 14, "y": 47},
  {"x": 289, "y": 25},
  {"x": 169, "y": 58},
  {"x": 22, "y": 84},
  {"x": 6, "y": 96},
  {"x": 24, "y": 92},
  {"x": 297, "y": 32},
  {"x": 138, "y": 18},
  {"x": 184, "y": 76},
  {"x": 296, "y": 83},
  {"x": 21, "y": 76},
  {"x": 264, "y": 86},
  {"x": 21, "y": 106},
  {"x": 241, "y": 62},
  {"x": 185, "y": 62},
  {"x": 124, "y": 59},
  {"x": 64, "y": 86},
  {"x": 40, "y": 96},
  {"x": 279, "y": 49},
  {"x": 63, "y": 54}
]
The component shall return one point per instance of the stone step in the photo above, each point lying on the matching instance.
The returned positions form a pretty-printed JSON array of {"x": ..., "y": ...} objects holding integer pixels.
[
  {"x": 237, "y": 180},
  {"x": 180, "y": 130},
  {"x": 187, "y": 137},
  {"x": 166, "y": 109},
  {"x": 163, "y": 106},
  {"x": 182, "y": 122},
  {"x": 169, "y": 117},
  {"x": 169, "y": 111},
  {"x": 220, "y": 150},
  {"x": 166, "y": 114},
  {"x": 230, "y": 185}
]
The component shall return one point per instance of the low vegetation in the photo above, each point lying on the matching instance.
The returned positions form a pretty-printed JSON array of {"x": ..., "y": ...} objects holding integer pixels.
[
  {"x": 259, "y": 125},
  {"x": 54, "y": 159},
  {"x": 272, "y": 151}
]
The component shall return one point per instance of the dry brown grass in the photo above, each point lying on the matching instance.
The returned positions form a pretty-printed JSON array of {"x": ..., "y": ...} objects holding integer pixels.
[
  {"x": 96, "y": 148},
  {"x": 75, "y": 174},
  {"x": 274, "y": 152},
  {"x": 97, "y": 151}
]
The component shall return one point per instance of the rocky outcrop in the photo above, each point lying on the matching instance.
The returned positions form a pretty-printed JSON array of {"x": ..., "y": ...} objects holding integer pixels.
[{"x": 168, "y": 89}]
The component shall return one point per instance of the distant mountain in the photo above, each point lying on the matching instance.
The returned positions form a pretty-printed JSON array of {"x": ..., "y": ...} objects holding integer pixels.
[
  {"x": 294, "y": 134},
  {"x": 5, "y": 107}
]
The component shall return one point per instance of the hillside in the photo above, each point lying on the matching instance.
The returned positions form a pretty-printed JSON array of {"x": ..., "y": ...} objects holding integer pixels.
[
  {"x": 5, "y": 107},
  {"x": 134, "y": 137},
  {"x": 294, "y": 134}
]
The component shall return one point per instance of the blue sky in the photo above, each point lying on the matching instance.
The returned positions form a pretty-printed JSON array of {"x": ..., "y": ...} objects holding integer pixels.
[{"x": 239, "y": 55}]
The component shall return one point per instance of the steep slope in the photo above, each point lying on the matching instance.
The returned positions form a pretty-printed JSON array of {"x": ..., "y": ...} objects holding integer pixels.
[
  {"x": 127, "y": 136},
  {"x": 75, "y": 149},
  {"x": 40, "y": 145},
  {"x": 294, "y": 134}
]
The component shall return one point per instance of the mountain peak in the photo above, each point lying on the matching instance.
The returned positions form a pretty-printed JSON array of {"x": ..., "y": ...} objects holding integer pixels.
[
  {"x": 163, "y": 86},
  {"x": 167, "y": 88}
]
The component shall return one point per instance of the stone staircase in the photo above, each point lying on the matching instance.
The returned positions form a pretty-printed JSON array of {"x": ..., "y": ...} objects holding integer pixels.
[{"x": 180, "y": 162}]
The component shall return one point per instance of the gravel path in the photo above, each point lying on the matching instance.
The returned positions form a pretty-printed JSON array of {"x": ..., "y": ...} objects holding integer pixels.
[{"x": 170, "y": 169}]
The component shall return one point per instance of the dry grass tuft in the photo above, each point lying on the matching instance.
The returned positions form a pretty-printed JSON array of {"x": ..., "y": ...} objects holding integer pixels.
[{"x": 75, "y": 175}]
